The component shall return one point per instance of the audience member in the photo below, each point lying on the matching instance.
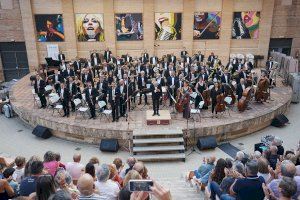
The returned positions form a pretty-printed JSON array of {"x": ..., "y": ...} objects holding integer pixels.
[
  {"x": 108, "y": 189},
  {"x": 6, "y": 191},
  {"x": 130, "y": 161},
  {"x": 90, "y": 169},
  {"x": 8, "y": 172},
  {"x": 28, "y": 184},
  {"x": 250, "y": 187},
  {"x": 18, "y": 174},
  {"x": 45, "y": 187},
  {"x": 85, "y": 186},
  {"x": 94, "y": 160},
  {"x": 75, "y": 168},
  {"x": 125, "y": 192},
  {"x": 61, "y": 195},
  {"x": 114, "y": 176},
  {"x": 50, "y": 163},
  {"x": 272, "y": 156},
  {"x": 263, "y": 169}
]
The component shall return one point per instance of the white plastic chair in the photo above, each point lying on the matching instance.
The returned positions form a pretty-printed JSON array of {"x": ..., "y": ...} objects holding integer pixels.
[
  {"x": 107, "y": 113},
  {"x": 197, "y": 111},
  {"x": 36, "y": 99}
]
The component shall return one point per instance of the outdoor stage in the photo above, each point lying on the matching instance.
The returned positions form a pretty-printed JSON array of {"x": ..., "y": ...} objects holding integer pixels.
[{"x": 229, "y": 125}]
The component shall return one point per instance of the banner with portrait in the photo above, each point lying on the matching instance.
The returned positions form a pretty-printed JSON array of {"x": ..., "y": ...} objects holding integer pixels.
[
  {"x": 129, "y": 26},
  {"x": 89, "y": 27},
  {"x": 245, "y": 25},
  {"x": 207, "y": 25},
  {"x": 168, "y": 26},
  {"x": 49, "y": 28}
]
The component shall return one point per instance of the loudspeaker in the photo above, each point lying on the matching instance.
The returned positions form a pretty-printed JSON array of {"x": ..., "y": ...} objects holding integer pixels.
[
  {"x": 279, "y": 120},
  {"x": 42, "y": 132},
  {"x": 110, "y": 145},
  {"x": 209, "y": 142}
]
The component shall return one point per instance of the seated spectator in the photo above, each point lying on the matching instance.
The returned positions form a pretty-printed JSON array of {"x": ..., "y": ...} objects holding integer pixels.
[
  {"x": 218, "y": 172},
  {"x": 6, "y": 191},
  {"x": 108, "y": 189},
  {"x": 63, "y": 180},
  {"x": 75, "y": 168},
  {"x": 85, "y": 186},
  {"x": 114, "y": 176},
  {"x": 45, "y": 187},
  {"x": 61, "y": 195},
  {"x": 18, "y": 174},
  {"x": 1, "y": 171},
  {"x": 130, "y": 161},
  {"x": 28, "y": 184},
  {"x": 287, "y": 169},
  {"x": 125, "y": 193},
  {"x": 272, "y": 156},
  {"x": 250, "y": 187},
  {"x": 263, "y": 169},
  {"x": 27, "y": 172},
  {"x": 202, "y": 174},
  {"x": 240, "y": 156},
  {"x": 8, "y": 172},
  {"x": 223, "y": 190},
  {"x": 50, "y": 163},
  {"x": 278, "y": 143},
  {"x": 120, "y": 167},
  {"x": 94, "y": 160},
  {"x": 57, "y": 158},
  {"x": 141, "y": 169},
  {"x": 287, "y": 188},
  {"x": 90, "y": 169}
]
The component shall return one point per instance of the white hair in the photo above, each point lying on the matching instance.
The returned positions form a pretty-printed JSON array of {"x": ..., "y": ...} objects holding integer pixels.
[{"x": 239, "y": 155}]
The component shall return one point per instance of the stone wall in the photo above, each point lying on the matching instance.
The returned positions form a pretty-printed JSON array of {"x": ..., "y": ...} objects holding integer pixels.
[
  {"x": 285, "y": 24},
  {"x": 222, "y": 47}
]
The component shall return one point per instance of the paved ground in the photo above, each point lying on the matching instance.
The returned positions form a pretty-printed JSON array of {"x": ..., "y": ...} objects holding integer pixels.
[{"x": 16, "y": 139}]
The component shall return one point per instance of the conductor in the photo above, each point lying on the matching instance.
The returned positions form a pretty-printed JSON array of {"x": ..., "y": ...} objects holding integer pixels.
[{"x": 156, "y": 94}]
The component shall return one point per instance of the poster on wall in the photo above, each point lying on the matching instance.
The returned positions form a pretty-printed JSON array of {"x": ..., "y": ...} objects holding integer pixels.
[
  {"x": 245, "y": 25},
  {"x": 49, "y": 28},
  {"x": 129, "y": 26},
  {"x": 168, "y": 26},
  {"x": 89, "y": 27},
  {"x": 207, "y": 25}
]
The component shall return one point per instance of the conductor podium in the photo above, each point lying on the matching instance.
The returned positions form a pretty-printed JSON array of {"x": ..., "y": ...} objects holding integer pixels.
[{"x": 163, "y": 119}]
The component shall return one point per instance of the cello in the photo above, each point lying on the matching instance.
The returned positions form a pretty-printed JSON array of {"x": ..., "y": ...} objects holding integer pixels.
[
  {"x": 179, "y": 101},
  {"x": 206, "y": 98},
  {"x": 261, "y": 93},
  {"x": 243, "y": 102},
  {"x": 220, "y": 107}
]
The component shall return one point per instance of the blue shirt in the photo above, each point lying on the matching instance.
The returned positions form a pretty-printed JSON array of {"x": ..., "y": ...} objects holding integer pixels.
[{"x": 28, "y": 186}]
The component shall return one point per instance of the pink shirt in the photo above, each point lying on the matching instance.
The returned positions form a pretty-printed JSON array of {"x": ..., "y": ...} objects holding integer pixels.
[
  {"x": 75, "y": 169},
  {"x": 51, "y": 167}
]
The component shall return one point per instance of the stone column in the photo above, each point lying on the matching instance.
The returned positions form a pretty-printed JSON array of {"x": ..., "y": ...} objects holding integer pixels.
[
  {"x": 148, "y": 25},
  {"x": 225, "y": 34},
  {"x": 187, "y": 25},
  {"x": 29, "y": 34},
  {"x": 69, "y": 29},
  {"x": 109, "y": 28},
  {"x": 266, "y": 17}
]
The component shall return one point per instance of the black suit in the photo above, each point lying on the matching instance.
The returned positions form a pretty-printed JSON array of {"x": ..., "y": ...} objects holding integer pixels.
[
  {"x": 56, "y": 80},
  {"x": 172, "y": 59},
  {"x": 183, "y": 53},
  {"x": 269, "y": 65},
  {"x": 73, "y": 91},
  {"x": 65, "y": 99},
  {"x": 93, "y": 56},
  {"x": 61, "y": 57},
  {"x": 114, "y": 102},
  {"x": 67, "y": 73},
  {"x": 123, "y": 97},
  {"x": 200, "y": 57},
  {"x": 107, "y": 55},
  {"x": 91, "y": 100},
  {"x": 141, "y": 87},
  {"x": 87, "y": 78},
  {"x": 188, "y": 59},
  {"x": 77, "y": 68},
  {"x": 153, "y": 60},
  {"x": 116, "y": 73},
  {"x": 172, "y": 91},
  {"x": 156, "y": 94},
  {"x": 127, "y": 58},
  {"x": 213, "y": 95},
  {"x": 223, "y": 79},
  {"x": 40, "y": 91},
  {"x": 239, "y": 91},
  {"x": 211, "y": 59}
]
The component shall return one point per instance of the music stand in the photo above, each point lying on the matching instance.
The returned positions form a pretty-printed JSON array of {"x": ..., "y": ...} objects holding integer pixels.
[{"x": 193, "y": 149}]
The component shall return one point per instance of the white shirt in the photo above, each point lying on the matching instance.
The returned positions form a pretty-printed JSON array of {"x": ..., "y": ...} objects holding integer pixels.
[
  {"x": 243, "y": 86},
  {"x": 62, "y": 93},
  {"x": 90, "y": 91},
  {"x": 113, "y": 94},
  {"x": 143, "y": 82},
  {"x": 18, "y": 174},
  {"x": 95, "y": 61},
  {"x": 173, "y": 80},
  {"x": 226, "y": 78},
  {"x": 75, "y": 169},
  {"x": 108, "y": 190}
]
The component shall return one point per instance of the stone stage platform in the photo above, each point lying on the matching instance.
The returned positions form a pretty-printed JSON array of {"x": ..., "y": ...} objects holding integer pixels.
[{"x": 229, "y": 125}]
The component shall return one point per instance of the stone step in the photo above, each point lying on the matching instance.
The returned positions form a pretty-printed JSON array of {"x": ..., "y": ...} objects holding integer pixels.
[
  {"x": 159, "y": 157},
  {"x": 153, "y": 132},
  {"x": 157, "y": 140},
  {"x": 159, "y": 148}
]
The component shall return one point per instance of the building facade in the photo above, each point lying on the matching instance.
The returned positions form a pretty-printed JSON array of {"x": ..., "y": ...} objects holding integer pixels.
[{"x": 19, "y": 23}]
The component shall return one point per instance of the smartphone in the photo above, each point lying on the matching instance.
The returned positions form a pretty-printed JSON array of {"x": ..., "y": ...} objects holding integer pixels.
[{"x": 140, "y": 185}]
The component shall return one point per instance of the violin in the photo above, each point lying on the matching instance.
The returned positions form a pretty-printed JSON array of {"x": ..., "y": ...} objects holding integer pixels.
[{"x": 220, "y": 107}]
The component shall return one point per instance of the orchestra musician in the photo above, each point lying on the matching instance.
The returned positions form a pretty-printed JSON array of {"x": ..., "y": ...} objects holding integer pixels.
[
  {"x": 183, "y": 53},
  {"x": 68, "y": 72},
  {"x": 72, "y": 90},
  {"x": 114, "y": 100},
  {"x": 225, "y": 78},
  {"x": 156, "y": 94},
  {"x": 77, "y": 66},
  {"x": 214, "y": 92},
  {"x": 64, "y": 94},
  {"x": 199, "y": 88},
  {"x": 95, "y": 62},
  {"x": 102, "y": 88},
  {"x": 91, "y": 94},
  {"x": 142, "y": 84},
  {"x": 39, "y": 88},
  {"x": 172, "y": 58},
  {"x": 240, "y": 88},
  {"x": 123, "y": 96},
  {"x": 172, "y": 86},
  {"x": 56, "y": 80},
  {"x": 185, "y": 92},
  {"x": 107, "y": 55},
  {"x": 61, "y": 56},
  {"x": 87, "y": 77}
]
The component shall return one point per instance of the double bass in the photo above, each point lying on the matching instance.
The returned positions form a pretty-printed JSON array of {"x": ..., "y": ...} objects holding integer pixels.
[
  {"x": 243, "y": 102},
  {"x": 206, "y": 98},
  {"x": 220, "y": 107}
]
